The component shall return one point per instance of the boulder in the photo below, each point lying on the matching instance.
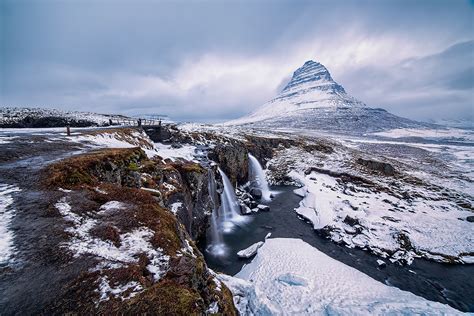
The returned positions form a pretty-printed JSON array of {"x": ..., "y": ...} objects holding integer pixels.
[
  {"x": 351, "y": 221},
  {"x": 256, "y": 193},
  {"x": 383, "y": 167},
  {"x": 247, "y": 202},
  {"x": 381, "y": 263},
  {"x": 246, "y": 196},
  {"x": 244, "y": 209},
  {"x": 263, "y": 208},
  {"x": 470, "y": 219}
]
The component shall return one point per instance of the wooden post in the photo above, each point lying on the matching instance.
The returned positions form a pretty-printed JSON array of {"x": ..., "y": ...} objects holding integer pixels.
[{"x": 68, "y": 130}]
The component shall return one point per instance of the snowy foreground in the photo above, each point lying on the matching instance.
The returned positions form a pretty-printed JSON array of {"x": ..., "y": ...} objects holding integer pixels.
[{"x": 290, "y": 277}]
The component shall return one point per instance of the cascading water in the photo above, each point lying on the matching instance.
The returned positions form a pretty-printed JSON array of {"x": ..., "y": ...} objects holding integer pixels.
[
  {"x": 257, "y": 176},
  {"x": 224, "y": 218},
  {"x": 217, "y": 244},
  {"x": 230, "y": 204}
]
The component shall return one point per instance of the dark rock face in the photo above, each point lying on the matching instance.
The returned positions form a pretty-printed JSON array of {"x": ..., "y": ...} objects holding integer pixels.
[
  {"x": 351, "y": 221},
  {"x": 162, "y": 133},
  {"x": 382, "y": 167},
  {"x": 233, "y": 160},
  {"x": 263, "y": 147},
  {"x": 196, "y": 196}
]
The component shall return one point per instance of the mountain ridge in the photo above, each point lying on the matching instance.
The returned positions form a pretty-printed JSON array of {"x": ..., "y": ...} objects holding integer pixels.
[{"x": 312, "y": 99}]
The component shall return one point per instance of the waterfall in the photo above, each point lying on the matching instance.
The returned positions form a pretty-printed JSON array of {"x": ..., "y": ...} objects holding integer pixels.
[
  {"x": 230, "y": 204},
  {"x": 257, "y": 175},
  {"x": 216, "y": 233},
  {"x": 224, "y": 218}
]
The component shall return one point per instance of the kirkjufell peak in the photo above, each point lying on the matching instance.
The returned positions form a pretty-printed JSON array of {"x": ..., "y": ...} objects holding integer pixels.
[
  {"x": 311, "y": 76},
  {"x": 312, "y": 99}
]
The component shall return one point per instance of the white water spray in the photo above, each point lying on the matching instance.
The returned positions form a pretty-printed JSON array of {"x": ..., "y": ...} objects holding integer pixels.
[
  {"x": 216, "y": 233},
  {"x": 257, "y": 175},
  {"x": 230, "y": 206},
  {"x": 226, "y": 217}
]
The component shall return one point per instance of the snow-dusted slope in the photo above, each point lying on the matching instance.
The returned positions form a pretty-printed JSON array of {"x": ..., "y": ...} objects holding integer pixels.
[
  {"x": 311, "y": 87},
  {"x": 289, "y": 277},
  {"x": 312, "y": 99},
  {"x": 38, "y": 117}
]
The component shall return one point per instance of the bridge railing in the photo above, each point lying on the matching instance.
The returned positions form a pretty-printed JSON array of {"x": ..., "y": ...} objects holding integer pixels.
[{"x": 135, "y": 122}]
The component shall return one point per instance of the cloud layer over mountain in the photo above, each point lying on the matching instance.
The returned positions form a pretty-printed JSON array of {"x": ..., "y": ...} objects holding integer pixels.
[{"x": 220, "y": 60}]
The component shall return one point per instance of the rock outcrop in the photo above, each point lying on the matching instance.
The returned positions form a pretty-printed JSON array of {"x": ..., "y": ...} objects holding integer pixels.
[
  {"x": 131, "y": 254},
  {"x": 232, "y": 157},
  {"x": 378, "y": 166}
]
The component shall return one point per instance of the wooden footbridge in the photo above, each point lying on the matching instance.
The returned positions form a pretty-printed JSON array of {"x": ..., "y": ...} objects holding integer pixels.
[{"x": 152, "y": 125}]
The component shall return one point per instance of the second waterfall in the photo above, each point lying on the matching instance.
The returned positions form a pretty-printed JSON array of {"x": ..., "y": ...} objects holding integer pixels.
[{"x": 257, "y": 176}]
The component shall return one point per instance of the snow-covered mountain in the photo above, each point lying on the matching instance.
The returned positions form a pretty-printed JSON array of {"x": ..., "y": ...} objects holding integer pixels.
[{"x": 312, "y": 99}]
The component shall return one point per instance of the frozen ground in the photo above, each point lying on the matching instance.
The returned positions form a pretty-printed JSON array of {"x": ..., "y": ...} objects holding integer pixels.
[
  {"x": 418, "y": 210},
  {"x": 449, "y": 133},
  {"x": 385, "y": 224},
  {"x": 100, "y": 137},
  {"x": 290, "y": 277}
]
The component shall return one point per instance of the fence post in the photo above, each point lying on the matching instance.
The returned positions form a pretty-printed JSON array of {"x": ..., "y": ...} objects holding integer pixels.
[{"x": 68, "y": 130}]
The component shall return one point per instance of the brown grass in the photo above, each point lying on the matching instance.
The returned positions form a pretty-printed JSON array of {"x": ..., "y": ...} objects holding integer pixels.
[
  {"x": 187, "y": 288},
  {"x": 84, "y": 169}
]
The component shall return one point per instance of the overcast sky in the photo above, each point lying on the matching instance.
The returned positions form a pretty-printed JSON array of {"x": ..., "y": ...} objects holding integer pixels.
[{"x": 218, "y": 60}]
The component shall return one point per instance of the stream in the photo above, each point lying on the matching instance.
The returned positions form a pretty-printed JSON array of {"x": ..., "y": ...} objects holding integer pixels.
[{"x": 445, "y": 283}]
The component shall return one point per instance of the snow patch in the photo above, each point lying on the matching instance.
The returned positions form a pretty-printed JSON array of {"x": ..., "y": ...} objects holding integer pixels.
[
  {"x": 132, "y": 243},
  {"x": 450, "y": 133},
  {"x": 175, "y": 207},
  {"x": 112, "y": 206},
  {"x": 131, "y": 289},
  {"x": 289, "y": 277},
  {"x": 117, "y": 140},
  {"x": 7, "y": 213},
  {"x": 250, "y": 251},
  {"x": 168, "y": 152}
]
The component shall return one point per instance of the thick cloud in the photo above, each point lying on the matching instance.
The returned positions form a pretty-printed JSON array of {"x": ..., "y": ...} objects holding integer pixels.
[{"x": 212, "y": 61}]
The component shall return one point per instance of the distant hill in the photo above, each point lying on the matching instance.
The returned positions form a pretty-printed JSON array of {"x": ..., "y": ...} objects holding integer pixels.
[{"x": 13, "y": 117}]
